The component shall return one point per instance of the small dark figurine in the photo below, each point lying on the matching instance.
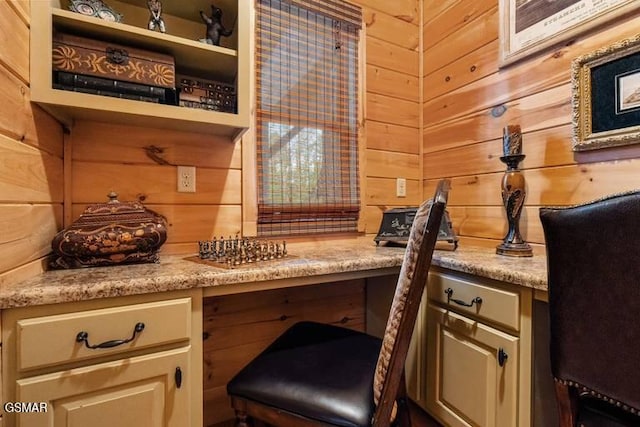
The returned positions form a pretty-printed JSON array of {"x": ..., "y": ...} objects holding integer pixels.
[
  {"x": 155, "y": 17},
  {"x": 215, "y": 29}
]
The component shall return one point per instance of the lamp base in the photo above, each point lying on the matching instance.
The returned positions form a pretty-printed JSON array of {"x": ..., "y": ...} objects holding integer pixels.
[{"x": 514, "y": 249}]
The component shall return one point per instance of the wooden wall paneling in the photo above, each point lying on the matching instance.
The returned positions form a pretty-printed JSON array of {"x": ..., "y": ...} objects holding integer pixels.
[
  {"x": 28, "y": 174},
  {"x": 221, "y": 366},
  {"x": 237, "y": 327},
  {"x": 392, "y": 57},
  {"x": 538, "y": 111},
  {"x": 384, "y": 164},
  {"x": 152, "y": 184},
  {"x": 24, "y": 121},
  {"x": 392, "y": 110},
  {"x": 490, "y": 244},
  {"x": 373, "y": 218},
  {"x": 551, "y": 69},
  {"x": 14, "y": 38},
  {"x": 547, "y": 147},
  {"x": 189, "y": 223},
  {"x": 228, "y": 310},
  {"x": 67, "y": 173},
  {"x": 31, "y": 150},
  {"x": 456, "y": 16},
  {"x": 107, "y": 142},
  {"x": 382, "y": 192},
  {"x": 490, "y": 222},
  {"x": 476, "y": 33},
  {"x": 382, "y": 26},
  {"x": 344, "y": 310},
  {"x": 217, "y": 409},
  {"x": 552, "y": 186},
  {"x": 391, "y": 137},
  {"x": 406, "y": 10},
  {"x": 23, "y": 272},
  {"x": 31, "y": 239},
  {"x": 392, "y": 83},
  {"x": 433, "y": 8},
  {"x": 469, "y": 68},
  {"x": 23, "y": 9}
]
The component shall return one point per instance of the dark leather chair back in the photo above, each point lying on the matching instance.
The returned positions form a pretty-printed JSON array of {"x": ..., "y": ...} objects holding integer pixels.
[{"x": 593, "y": 257}]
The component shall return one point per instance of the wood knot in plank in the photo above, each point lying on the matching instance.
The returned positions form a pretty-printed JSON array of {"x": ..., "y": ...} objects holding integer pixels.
[
  {"x": 498, "y": 110},
  {"x": 155, "y": 154}
]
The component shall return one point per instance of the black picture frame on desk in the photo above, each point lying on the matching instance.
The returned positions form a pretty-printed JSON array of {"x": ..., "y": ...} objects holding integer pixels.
[
  {"x": 396, "y": 225},
  {"x": 606, "y": 96}
]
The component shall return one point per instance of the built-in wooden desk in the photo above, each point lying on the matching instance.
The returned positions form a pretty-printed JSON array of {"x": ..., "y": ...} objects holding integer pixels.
[{"x": 227, "y": 306}]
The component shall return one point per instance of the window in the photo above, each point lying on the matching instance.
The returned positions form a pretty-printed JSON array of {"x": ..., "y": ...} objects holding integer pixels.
[{"x": 307, "y": 116}]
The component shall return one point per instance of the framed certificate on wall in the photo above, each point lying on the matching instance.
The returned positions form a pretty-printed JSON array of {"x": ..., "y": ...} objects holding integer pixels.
[{"x": 529, "y": 26}]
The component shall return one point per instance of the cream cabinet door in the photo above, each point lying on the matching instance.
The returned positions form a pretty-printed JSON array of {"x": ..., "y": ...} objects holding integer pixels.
[
  {"x": 141, "y": 391},
  {"x": 471, "y": 371}
]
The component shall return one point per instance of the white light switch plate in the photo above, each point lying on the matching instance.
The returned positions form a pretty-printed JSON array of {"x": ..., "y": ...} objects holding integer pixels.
[{"x": 401, "y": 187}]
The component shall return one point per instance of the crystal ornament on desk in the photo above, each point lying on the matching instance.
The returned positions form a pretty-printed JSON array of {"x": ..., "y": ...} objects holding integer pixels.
[{"x": 233, "y": 252}]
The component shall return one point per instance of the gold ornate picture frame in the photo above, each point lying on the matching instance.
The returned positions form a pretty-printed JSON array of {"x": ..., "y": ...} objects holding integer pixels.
[
  {"x": 605, "y": 87},
  {"x": 529, "y": 26}
]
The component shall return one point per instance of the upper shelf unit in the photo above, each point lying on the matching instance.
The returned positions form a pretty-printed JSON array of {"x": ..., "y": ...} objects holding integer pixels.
[{"x": 228, "y": 63}]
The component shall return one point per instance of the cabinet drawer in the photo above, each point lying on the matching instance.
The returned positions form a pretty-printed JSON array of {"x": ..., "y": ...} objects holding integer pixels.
[
  {"x": 50, "y": 340},
  {"x": 497, "y": 305}
]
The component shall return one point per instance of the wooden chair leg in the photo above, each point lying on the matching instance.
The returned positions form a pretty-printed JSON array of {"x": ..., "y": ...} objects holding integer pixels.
[
  {"x": 404, "y": 414},
  {"x": 241, "y": 418},
  {"x": 567, "y": 404}
]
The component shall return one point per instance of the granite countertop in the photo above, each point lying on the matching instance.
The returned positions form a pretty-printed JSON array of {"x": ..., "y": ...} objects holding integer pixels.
[{"x": 175, "y": 272}]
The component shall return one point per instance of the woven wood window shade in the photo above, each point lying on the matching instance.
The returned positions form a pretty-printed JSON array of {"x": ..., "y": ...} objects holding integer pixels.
[{"x": 307, "y": 104}]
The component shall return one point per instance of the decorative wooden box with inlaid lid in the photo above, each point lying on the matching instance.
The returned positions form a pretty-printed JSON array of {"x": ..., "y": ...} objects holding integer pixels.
[{"x": 110, "y": 233}]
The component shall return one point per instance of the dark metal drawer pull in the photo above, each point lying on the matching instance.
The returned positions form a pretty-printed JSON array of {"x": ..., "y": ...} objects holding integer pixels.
[
  {"x": 502, "y": 356},
  {"x": 449, "y": 292},
  {"x": 84, "y": 337},
  {"x": 178, "y": 377}
]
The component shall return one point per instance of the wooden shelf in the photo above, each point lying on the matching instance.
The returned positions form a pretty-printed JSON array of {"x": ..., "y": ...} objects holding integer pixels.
[
  {"x": 68, "y": 107},
  {"x": 227, "y": 64},
  {"x": 189, "y": 9},
  {"x": 219, "y": 62}
]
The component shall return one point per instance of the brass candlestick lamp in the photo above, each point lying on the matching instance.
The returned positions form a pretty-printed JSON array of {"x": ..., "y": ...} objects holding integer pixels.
[{"x": 513, "y": 193}]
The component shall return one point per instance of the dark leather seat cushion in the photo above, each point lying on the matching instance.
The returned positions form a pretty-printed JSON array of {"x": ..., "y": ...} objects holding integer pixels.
[
  {"x": 597, "y": 413},
  {"x": 319, "y": 371}
]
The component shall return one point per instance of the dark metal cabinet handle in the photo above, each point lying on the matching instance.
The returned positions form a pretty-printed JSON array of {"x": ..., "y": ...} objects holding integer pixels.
[
  {"x": 502, "y": 357},
  {"x": 449, "y": 292},
  {"x": 178, "y": 377},
  {"x": 84, "y": 337}
]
